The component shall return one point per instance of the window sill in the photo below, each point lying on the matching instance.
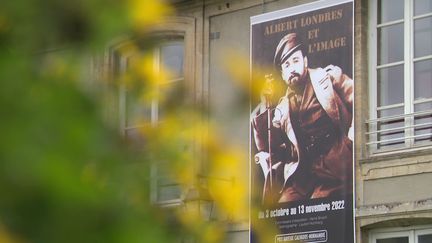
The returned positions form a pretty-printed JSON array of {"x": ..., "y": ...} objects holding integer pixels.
[
  {"x": 397, "y": 154},
  {"x": 237, "y": 226},
  {"x": 169, "y": 203}
]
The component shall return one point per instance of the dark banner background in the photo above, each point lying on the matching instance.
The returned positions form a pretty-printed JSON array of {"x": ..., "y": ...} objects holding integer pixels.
[
  {"x": 264, "y": 46},
  {"x": 337, "y": 222}
]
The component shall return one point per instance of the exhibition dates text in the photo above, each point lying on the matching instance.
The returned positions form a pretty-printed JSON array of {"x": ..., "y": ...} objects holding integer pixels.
[{"x": 302, "y": 209}]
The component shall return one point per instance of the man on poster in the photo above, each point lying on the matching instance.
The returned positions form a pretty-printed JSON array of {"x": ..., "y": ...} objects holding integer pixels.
[{"x": 304, "y": 143}]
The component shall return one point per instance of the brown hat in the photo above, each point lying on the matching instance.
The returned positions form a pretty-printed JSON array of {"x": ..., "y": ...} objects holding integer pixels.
[{"x": 287, "y": 46}]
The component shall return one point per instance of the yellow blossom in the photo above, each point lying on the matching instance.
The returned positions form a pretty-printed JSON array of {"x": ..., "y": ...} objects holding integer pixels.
[{"x": 144, "y": 13}]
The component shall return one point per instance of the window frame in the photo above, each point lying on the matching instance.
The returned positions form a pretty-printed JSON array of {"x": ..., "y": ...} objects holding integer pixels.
[
  {"x": 408, "y": 105},
  {"x": 154, "y": 105},
  {"x": 412, "y": 233},
  {"x": 422, "y": 232},
  {"x": 170, "y": 28},
  {"x": 394, "y": 234}
]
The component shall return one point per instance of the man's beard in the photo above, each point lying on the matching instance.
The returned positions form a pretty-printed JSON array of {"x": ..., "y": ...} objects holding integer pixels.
[{"x": 294, "y": 79}]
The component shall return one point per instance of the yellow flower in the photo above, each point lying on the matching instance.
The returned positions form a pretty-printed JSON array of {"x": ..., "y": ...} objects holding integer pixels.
[
  {"x": 238, "y": 67},
  {"x": 8, "y": 237},
  {"x": 144, "y": 13},
  {"x": 231, "y": 194}
]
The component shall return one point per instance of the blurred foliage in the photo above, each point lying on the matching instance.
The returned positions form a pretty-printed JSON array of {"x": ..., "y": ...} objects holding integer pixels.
[{"x": 66, "y": 174}]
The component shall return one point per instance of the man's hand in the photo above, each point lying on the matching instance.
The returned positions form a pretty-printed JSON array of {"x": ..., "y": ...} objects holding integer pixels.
[
  {"x": 351, "y": 133},
  {"x": 261, "y": 158},
  {"x": 267, "y": 92},
  {"x": 281, "y": 112}
]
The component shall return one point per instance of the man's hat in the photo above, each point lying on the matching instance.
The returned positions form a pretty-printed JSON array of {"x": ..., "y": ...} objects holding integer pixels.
[{"x": 287, "y": 46}]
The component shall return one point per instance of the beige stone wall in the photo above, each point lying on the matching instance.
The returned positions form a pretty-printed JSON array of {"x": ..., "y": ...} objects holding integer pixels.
[{"x": 391, "y": 190}]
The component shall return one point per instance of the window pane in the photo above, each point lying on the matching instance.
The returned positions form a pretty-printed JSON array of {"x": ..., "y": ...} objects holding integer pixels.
[
  {"x": 168, "y": 189},
  {"x": 423, "y": 128},
  {"x": 390, "y": 44},
  {"x": 136, "y": 112},
  {"x": 390, "y": 85},
  {"x": 172, "y": 55},
  {"x": 391, "y": 129},
  {"x": 168, "y": 192},
  {"x": 393, "y": 240},
  {"x": 425, "y": 238},
  {"x": 423, "y": 79},
  {"x": 171, "y": 99},
  {"x": 389, "y": 10},
  {"x": 423, "y": 37},
  {"x": 136, "y": 138},
  {"x": 422, "y": 6}
]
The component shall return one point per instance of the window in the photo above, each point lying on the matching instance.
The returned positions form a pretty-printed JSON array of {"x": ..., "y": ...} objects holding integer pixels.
[
  {"x": 400, "y": 74},
  {"x": 174, "y": 52},
  {"x": 135, "y": 114},
  {"x": 169, "y": 55},
  {"x": 405, "y": 236}
]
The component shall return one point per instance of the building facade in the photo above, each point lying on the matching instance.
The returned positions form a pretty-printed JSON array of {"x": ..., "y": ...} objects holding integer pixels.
[{"x": 393, "y": 102}]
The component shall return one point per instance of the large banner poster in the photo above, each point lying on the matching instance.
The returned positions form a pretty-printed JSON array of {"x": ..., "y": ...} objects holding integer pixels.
[{"x": 302, "y": 124}]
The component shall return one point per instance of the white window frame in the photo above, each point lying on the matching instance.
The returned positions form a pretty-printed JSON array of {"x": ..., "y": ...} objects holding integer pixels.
[
  {"x": 154, "y": 174},
  {"x": 387, "y": 235},
  {"x": 409, "y": 100},
  {"x": 422, "y": 232},
  {"x": 154, "y": 121},
  {"x": 411, "y": 232},
  {"x": 154, "y": 105},
  {"x": 171, "y": 27}
]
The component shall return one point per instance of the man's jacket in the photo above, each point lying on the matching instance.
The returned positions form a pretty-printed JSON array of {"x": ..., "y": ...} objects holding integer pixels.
[{"x": 334, "y": 91}]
